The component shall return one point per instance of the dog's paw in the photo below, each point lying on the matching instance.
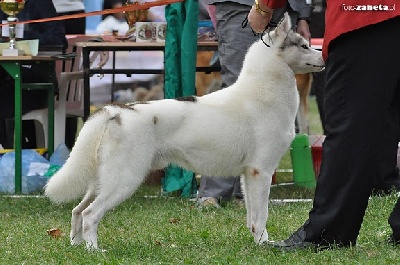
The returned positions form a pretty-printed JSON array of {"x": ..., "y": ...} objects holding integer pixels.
[
  {"x": 261, "y": 238},
  {"x": 95, "y": 249},
  {"x": 76, "y": 240},
  {"x": 92, "y": 248}
]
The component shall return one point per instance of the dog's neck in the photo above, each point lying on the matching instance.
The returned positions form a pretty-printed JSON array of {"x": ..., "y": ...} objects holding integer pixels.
[
  {"x": 268, "y": 75},
  {"x": 265, "y": 61}
]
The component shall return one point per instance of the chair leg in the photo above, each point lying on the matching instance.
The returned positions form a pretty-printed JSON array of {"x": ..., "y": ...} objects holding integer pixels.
[{"x": 41, "y": 134}]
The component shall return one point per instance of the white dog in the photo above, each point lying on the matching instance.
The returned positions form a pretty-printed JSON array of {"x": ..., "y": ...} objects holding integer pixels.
[{"x": 242, "y": 130}]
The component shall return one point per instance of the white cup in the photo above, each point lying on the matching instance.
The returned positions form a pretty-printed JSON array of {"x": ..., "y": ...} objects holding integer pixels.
[
  {"x": 144, "y": 31},
  {"x": 160, "y": 31}
]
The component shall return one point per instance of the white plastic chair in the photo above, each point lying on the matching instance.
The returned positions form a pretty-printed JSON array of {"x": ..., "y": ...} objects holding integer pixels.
[{"x": 69, "y": 102}]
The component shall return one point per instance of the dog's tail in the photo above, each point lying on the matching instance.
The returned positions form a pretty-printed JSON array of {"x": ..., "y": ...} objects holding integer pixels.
[{"x": 79, "y": 171}]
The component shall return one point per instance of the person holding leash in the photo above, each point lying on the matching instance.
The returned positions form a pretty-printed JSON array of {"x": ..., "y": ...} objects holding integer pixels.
[
  {"x": 362, "y": 112},
  {"x": 233, "y": 43}
]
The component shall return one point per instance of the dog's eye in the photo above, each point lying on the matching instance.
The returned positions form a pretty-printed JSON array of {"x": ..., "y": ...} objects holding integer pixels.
[{"x": 304, "y": 46}]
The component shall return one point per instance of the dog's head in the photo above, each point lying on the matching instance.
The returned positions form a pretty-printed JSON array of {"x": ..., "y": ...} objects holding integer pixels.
[{"x": 294, "y": 49}]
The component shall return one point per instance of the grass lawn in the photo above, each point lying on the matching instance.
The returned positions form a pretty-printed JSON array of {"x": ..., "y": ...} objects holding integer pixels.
[
  {"x": 154, "y": 229},
  {"x": 161, "y": 230}
]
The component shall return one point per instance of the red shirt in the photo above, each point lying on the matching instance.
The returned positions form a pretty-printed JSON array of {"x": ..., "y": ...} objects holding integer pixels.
[
  {"x": 275, "y": 3},
  {"x": 346, "y": 15}
]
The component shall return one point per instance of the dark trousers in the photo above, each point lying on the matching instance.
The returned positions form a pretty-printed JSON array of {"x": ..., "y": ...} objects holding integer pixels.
[
  {"x": 76, "y": 25},
  {"x": 362, "y": 102}
]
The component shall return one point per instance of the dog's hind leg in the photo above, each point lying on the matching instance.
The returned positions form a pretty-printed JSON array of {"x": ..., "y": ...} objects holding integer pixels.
[
  {"x": 76, "y": 218},
  {"x": 257, "y": 185},
  {"x": 111, "y": 192},
  {"x": 93, "y": 214}
]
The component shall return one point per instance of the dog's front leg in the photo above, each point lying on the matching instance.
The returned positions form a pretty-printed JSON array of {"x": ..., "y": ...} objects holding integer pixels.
[
  {"x": 258, "y": 185},
  {"x": 246, "y": 192}
]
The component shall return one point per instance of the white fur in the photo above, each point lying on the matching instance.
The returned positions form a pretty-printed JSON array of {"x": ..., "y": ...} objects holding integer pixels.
[{"x": 240, "y": 130}]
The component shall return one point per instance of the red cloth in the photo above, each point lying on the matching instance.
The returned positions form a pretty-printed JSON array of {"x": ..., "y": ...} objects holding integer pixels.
[
  {"x": 347, "y": 15},
  {"x": 211, "y": 13},
  {"x": 275, "y": 3}
]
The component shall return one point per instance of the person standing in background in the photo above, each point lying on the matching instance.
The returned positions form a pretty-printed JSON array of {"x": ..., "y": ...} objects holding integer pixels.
[
  {"x": 113, "y": 22},
  {"x": 71, "y": 7}
]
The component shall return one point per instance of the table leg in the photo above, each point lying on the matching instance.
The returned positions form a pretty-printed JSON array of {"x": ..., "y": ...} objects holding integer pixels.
[
  {"x": 18, "y": 131},
  {"x": 14, "y": 69}
]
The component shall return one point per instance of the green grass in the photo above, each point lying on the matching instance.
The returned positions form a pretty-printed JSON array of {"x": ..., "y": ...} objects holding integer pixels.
[{"x": 140, "y": 231}]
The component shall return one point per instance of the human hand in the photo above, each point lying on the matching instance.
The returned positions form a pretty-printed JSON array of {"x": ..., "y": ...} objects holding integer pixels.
[
  {"x": 259, "y": 20},
  {"x": 304, "y": 30}
]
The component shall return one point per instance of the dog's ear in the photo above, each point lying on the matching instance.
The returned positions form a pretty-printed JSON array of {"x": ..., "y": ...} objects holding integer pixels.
[{"x": 284, "y": 26}]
